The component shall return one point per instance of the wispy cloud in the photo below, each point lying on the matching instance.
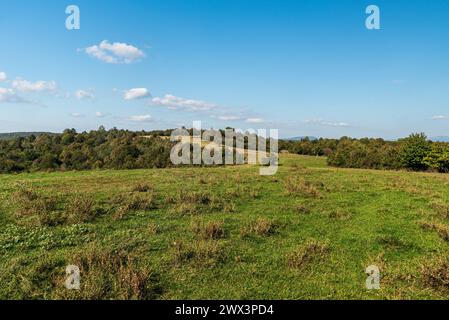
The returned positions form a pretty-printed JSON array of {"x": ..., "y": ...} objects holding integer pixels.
[
  {"x": 141, "y": 118},
  {"x": 254, "y": 120},
  {"x": 10, "y": 96},
  {"x": 38, "y": 86},
  {"x": 3, "y": 76},
  {"x": 226, "y": 117},
  {"x": 440, "y": 117},
  {"x": 84, "y": 95},
  {"x": 77, "y": 115},
  {"x": 322, "y": 122},
  {"x": 99, "y": 114},
  {"x": 136, "y": 93},
  {"x": 172, "y": 102},
  {"x": 115, "y": 53}
]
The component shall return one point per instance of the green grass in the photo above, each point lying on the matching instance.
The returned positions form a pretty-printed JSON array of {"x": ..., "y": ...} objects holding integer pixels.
[{"x": 308, "y": 232}]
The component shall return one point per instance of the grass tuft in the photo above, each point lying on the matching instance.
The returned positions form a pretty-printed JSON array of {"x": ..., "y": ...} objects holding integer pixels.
[
  {"x": 260, "y": 227},
  {"x": 141, "y": 187},
  {"x": 201, "y": 253},
  {"x": 81, "y": 209},
  {"x": 441, "y": 229},
  {"x": 299, "y": 186},
  {"x": 435, "y": 274},
  {"x": 306, "y": 254},
  {"x": 212, "y": 230}
]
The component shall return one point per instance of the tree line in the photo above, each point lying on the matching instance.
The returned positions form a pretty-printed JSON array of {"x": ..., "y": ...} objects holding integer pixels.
[
  {"x": 98, "y": 149},
  {"x": 123, "y": 149},
  {"x": 415, "y": 152}
]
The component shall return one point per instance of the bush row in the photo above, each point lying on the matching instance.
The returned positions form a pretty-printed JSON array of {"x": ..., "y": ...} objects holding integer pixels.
[
  {"x": 415, "y": 152},
  {"x": 99, "y": 149}
]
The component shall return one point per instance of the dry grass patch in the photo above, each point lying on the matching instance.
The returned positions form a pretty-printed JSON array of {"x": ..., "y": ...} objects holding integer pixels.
[
  {"x": 107, "y": 274},
  {"x": 435, "y": 274},
  {"x": 141, "y": 187},
  {"x": 46, "y": 211},
  {"x": 35, "y": 208},
  {"x": 229, "y": 207},
  {"x": 191, "y": 203},
  {"x": 186, "y": 209},
  {"x": 441, "y": 208},
  {"x": 296, "y": 165},
  {"x": 260, "y": 227},
  {"x": 340, "y": 214},
  {"x": 202, "y": 253},
  {"x": 295, "y": 186},
  {"x": 28, "y": 202},
  {"x": 441, "y": 229},
  {"x": 212, "y": 230},
  {"x": 306, "y": 254},
  {"x": 81, "y": 209},
  {"x": 195, "y": 197},
  {"x": 133, "y": 202},
  {"x": 152, "y": 229},
  {"x": 301, "y": 209}
]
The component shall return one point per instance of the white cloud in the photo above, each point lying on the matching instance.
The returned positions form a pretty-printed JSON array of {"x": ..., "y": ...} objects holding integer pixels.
[
  {"x": 172, "y": 102},
  {"x": 115, "y": 53},
  {"x": 38, "y": 86},
  {"x": 77, "y": 115},
  {"x": 99, "y": 114},
  {"x": 226, "y": 118},
  {"x": 336, "y": 124},
  {"x": 3, "y": 76},
  {"x": 136, "y": 93},
  {"x": 321, "y": 122},
  {"x": 440, "y": 117},
  {"x": 254, "y": 120},
  {"x": 84, "y": 95},
  {"x": 10, "y": 96},
  {"x": 141, "y": 118}
]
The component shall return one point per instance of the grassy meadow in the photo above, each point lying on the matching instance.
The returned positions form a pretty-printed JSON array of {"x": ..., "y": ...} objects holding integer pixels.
[{"x": 309, "y": 232}]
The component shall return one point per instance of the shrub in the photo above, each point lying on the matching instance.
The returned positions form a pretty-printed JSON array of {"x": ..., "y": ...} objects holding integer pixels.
[
  {"x": 415, "y": 148},
  {"x": 438, "y": 157},
  {"x": 365, "y": 153}
]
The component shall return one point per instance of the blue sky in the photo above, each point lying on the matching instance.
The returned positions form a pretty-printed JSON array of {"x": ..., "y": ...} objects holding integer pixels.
[{"x": 304, "y": 67}]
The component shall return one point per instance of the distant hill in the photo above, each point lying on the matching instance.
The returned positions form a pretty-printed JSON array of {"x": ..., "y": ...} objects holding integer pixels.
[
  {"x": 440, "y": 139},
  {"x": 301, "y": 138},
  {"x": 13, "y": 135}
]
